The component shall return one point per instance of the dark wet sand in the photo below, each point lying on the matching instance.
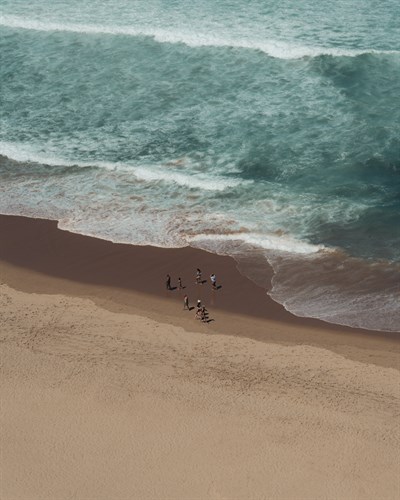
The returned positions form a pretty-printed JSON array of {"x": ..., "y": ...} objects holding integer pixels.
[{"x": 37, "y": 257}]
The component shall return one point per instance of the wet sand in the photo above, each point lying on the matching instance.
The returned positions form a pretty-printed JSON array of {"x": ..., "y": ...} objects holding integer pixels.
[
  {"x": 111, "y": 390},
  {"x": 37, "y": 257}
]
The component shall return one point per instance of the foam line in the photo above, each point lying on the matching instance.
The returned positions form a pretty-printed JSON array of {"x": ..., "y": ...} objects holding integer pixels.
[
  {"x": 281, "y": 243},
  {"x": 154, "y": 174},
  {"x": 148, "y": 173},
  {"x": 273, "y": 48}
]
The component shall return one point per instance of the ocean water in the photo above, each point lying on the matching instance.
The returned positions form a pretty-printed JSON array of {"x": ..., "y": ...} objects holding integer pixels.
[{"x": 269, "y": 131}]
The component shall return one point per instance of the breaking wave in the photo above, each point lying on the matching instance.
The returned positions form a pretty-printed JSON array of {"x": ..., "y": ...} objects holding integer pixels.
[
  {"x": 274, "y": 48},
  {"x": 147, "y": 173}
]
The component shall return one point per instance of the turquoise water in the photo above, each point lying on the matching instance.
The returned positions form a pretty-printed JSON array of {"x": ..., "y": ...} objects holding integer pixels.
[{"x": 270, "y": 133}]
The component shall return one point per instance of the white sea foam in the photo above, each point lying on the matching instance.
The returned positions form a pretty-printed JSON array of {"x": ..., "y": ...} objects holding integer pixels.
[
  {"x": 148, "y": 173},
  {"x": 274, "y": 48},
  {"x": 272, "y": 242},
  {"x": 30, "y": 153},
  {"x": 155, "y": 174},
  {"x": 141, "y": 234}
]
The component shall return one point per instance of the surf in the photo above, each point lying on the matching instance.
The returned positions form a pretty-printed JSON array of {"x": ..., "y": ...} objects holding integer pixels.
[
  {"x": 278, "y": 49},
  {"x": 261, "y": 131},
  {"x": 168, "y": 172}
]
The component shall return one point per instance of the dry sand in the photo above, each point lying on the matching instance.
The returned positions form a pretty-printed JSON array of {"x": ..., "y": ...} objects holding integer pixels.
[{"x": 110, "y": 390}]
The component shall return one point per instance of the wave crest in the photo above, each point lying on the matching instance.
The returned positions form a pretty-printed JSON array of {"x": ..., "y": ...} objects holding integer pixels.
[
  {"x": 271, "y": 242},
  {"x": 274, "y": 48},
  {"x": 147, "y": 173}
]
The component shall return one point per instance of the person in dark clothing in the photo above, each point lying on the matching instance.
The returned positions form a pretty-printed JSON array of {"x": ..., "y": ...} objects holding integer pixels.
[
  {"x": 198, "y": 277},
  {"x": 168, "y": 282}
]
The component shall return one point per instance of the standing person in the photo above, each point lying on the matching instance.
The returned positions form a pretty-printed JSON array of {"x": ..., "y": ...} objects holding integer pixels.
[
  {"x": 198, "y": 304},
  {"x": 198, "y": 276},
  {"x": 186, "y": 303},
  {"x": 213, "y": 279},
  {"x": 180, "y": 286},
  {"x": 168, "y": 282}
]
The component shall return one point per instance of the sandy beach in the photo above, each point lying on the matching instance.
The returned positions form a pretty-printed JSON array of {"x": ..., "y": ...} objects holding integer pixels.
[{"x": 110, "y": 390}]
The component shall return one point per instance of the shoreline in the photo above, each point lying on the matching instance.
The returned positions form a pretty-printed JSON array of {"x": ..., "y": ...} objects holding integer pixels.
[
  {"x": 37, "y": 257},
  {"x": 116, "y": 392}
]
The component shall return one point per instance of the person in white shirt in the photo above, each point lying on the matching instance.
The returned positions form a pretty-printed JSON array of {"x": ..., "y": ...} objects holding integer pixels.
[{"x": 213, "y": 279}]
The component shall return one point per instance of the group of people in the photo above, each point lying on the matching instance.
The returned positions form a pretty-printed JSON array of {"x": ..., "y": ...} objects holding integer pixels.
[
  {"x": 201, "y": 312},
  {"x": 199, "y": 281},
  {"x": 168, "y": 283}
]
